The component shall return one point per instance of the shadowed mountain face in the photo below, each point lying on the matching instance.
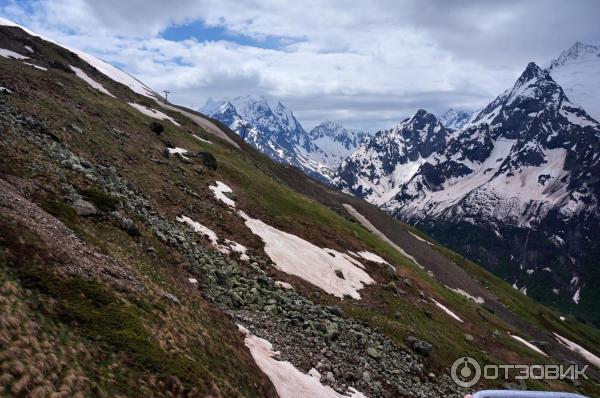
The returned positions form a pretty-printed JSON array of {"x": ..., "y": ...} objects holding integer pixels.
[{"x": 516, "y": 188}]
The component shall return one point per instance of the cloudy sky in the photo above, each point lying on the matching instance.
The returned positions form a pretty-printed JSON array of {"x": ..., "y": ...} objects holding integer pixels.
[{"x": 365, "y": 64}]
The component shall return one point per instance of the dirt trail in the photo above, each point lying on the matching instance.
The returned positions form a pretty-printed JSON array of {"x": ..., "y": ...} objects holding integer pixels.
[{"x": 367, "y": 224}]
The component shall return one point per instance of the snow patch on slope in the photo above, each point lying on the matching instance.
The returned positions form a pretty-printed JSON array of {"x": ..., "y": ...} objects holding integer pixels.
[
  {"x": 104, "y": 67},
  {"x": 219, "y": 190},
  {"x": 83, "y": 76},
  {"x": 371, "y": 257},
  {"x": 226, "y": 247},
  {"x": 528, "y": 344},
  {"x": 591, "y": 358},
  {"x": 178, "y": 151},
  {"x": 36, "y": 66},
  {"x": 287, "y": 379},
  {"x": 478, "y": 300},
  {"x": 11, "y": 54},
  {"x": 446, "y": 310},
  {"x": 153, "y": 113},
  {"x": 296, "y": 256}
]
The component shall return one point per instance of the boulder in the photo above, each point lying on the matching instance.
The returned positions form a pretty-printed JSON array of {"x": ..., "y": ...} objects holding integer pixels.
[
  {"x": 60, "y": 66},
  {"x": 373, "y": 353},
  {"x": 84, "y": 208},
  {"x": 207, "y": 159},
  {"x": 419, "y": 346},
  {"x": 157, "y": 127}
]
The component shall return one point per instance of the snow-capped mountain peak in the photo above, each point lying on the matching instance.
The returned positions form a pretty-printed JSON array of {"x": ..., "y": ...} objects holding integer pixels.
[
  {"x": 455, "y": 119},
  {"x": 334, "y": 142},
  {"x": 389, "y": 159},
  {"x": 526, "y": 164},
  {"x": 273, "y": 129},
  {"x": 577, "y": 70},
  {"x": 516, "y": 148},
  {"x": 578, "y": 52}
]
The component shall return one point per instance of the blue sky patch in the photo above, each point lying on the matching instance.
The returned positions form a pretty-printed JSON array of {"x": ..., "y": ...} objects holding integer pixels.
[{"x": 200, "y": 31}]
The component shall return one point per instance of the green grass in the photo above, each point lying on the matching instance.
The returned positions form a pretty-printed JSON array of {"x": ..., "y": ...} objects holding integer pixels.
[
  {"x": 98, "y": 315},
  {"x": 61, "y": 210}
]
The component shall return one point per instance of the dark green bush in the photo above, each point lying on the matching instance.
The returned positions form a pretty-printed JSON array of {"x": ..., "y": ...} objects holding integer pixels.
[{"x": 101, "y": 200}]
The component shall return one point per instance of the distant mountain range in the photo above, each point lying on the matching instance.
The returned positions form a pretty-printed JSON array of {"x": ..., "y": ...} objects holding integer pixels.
[
  {"x": 275, "y": 131},
  {"x": 515, "y": 187}
]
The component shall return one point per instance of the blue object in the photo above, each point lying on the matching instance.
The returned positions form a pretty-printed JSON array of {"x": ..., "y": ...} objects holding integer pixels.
[{"x": 524, "y": 394}]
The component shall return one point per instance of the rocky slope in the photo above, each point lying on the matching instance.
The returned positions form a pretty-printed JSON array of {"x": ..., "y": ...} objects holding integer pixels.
[
  {"x": 519, "y": 181},
  {"x": 147, "y": 250}
]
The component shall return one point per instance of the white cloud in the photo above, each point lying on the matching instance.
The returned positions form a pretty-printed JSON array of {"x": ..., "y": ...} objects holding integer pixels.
[{"x": 364, "y": 64}]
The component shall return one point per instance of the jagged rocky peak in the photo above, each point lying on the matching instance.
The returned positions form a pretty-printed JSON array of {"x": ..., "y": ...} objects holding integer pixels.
[
  {"x": 327, "y": 128},
  {"x": 423, "y": 132},
  {"x": 535, "y": 107},
  {"x": 390, "y": 158},
  {"x": 336, "y": 132},
  {"x": 532, "y": 71},
  {"x": 272, "y": 129}
]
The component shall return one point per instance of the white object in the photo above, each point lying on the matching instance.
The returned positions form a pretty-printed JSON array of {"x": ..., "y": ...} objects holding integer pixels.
[
  {"x": 35, "y": 66},
  {"x": 284, "y": 285},
  {"x": 153, "y": 113},
  {"x": 372, "y": 257},
  {"x": 478, "y": 300},
  {"x": 226, "y": 247},
  {"x": 528, "y": 344},
  {"x": 446, "y": 310},
  {"x": 177, "y": 150},
  {"x": 11, "y": 54},
  {"x": 421, "y": 239},
  {"x": 201, "y": 139},
  {"x": 296, "y": 256},
  {"x": 83, "y": 76},
  {"x": 219, "y": 190},
  {"x": 588, "y": 356}
]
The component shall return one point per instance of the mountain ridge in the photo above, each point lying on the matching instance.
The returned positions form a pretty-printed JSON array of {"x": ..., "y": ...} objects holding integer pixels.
[
  {"x": 274, "y": 130},
  {"x": 526, "y": 161}
]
